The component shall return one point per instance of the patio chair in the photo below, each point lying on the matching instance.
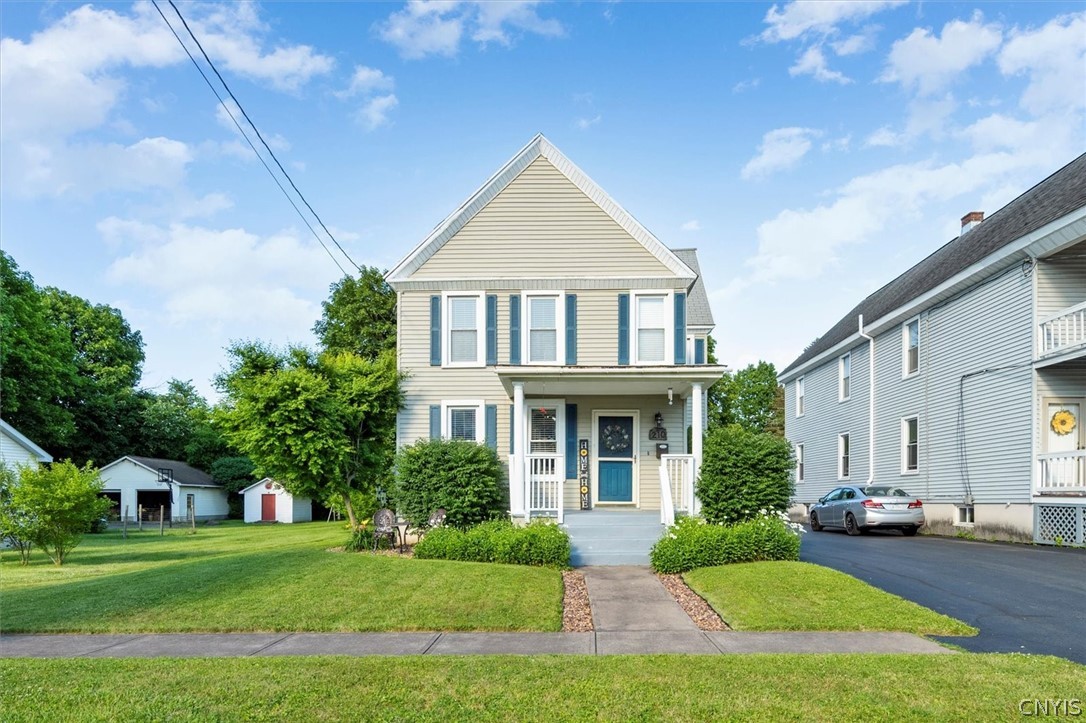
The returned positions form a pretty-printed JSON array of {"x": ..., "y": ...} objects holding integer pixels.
[
  {"x": 384, "y": 526},
  {"x": 437, "y": 518}
]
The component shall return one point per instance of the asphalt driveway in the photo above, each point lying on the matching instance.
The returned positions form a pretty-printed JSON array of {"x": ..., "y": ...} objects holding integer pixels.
[{"x": 1024, "y": 599}]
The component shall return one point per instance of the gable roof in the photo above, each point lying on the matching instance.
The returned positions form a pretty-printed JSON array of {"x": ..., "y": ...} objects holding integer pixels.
[
  {"x": 25, "y": 442},
  {"x": 183, "y": 474},
  {"x": 536, "y": 148},
  {"x": 698, "y": 312},
  {"x": 1062, "y": 193}
]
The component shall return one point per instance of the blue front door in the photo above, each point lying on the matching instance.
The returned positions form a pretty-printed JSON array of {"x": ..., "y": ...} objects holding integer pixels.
[{"x": 616, "y": 445}]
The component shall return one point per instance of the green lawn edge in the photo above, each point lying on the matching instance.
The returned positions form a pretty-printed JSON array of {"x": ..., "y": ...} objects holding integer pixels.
[
  {"x": 801, "y": 596},
  {"x": 867, "y": 687}
]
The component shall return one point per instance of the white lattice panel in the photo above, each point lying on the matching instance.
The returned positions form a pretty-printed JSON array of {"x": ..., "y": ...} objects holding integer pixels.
[{"x": 1062, "y": 524}]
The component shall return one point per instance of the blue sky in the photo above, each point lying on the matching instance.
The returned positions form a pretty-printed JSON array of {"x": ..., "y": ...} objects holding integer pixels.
[{"x": 810, "y": 151}]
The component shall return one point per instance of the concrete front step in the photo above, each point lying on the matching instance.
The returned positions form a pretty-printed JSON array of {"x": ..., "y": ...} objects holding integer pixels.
[{"x": 612, "y": 537}]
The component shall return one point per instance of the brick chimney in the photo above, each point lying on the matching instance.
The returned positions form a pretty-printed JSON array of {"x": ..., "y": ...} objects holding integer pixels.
[{"x": 971, "y": 220}]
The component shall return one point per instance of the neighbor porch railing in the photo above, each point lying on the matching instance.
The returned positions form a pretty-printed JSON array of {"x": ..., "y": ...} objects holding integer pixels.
[
  {"x": 676, "y": 486},
  {"x": 1062, "y": 472},
  {"x": 544, "y": 480},
  {"x": 1062, "y": 331}
]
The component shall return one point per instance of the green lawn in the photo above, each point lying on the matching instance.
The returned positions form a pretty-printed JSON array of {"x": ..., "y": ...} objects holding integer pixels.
[
  {"x": 753, "y": 687},
  {"x": 802, "y": 596},
  {"x": 235, "y": 577}
]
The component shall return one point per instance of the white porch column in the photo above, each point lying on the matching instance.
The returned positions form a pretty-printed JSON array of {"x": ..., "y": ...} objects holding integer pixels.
[
  {"x": 696, "y": 432},
  {"x": 517, "y": 498}
]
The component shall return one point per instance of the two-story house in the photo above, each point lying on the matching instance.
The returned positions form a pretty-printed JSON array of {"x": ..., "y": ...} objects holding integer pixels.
[
  {"x": 542, "y": 319},
  {"x": 963, "y": 380}
]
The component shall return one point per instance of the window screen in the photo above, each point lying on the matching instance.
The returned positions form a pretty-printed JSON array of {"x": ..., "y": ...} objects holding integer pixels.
[
  {"x": 650, "y": 328},
  {"x": 543, "y": 329},
  {"x": 463, "y": 329}
]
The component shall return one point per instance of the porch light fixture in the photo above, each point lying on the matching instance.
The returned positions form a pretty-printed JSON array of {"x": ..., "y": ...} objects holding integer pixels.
[{"x": 670, "y": 396}]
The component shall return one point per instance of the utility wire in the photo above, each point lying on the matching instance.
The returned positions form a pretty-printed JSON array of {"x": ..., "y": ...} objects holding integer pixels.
[{"x": 244, "y": 135}]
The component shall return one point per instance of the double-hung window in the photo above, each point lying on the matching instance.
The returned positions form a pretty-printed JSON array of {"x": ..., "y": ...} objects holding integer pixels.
[
  {"x": 910, "y": 342},
  {"x": 843, "y": 454},
  {"x": 544, "y": 334},
  {"x": 799, "y": 397},
  {"x": 543, "y": 430},
  {"x": 463, "y": 420},
  {"x": 465, "y": 337},
  {"x": 799, "y": 463},
  {"x": 844, "y": 377},
  {"x": 653, "y": 328},
  {"x": 910, "y": 445}
]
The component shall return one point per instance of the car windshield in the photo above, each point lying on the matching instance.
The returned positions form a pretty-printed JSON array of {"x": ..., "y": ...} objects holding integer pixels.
[{"x": 885, "y": 492}]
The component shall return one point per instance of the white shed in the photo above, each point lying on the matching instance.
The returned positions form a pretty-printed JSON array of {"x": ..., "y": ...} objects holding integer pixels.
[
  {"x": 150, "y": 484},
  {"x": 16, "y": 448},
  {"x": 267, "y": 501}
]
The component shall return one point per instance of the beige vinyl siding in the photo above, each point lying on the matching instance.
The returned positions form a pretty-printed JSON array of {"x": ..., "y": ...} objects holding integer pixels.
[
  {"x": 1061, "y": 281},
  {"x": 541, "y": 225}
]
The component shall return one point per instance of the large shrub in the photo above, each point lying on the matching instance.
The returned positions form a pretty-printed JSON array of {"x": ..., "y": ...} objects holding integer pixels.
[
  {"x": 743, "y": 472},
  {"x": 462, "y": 477},
  {"x": 693, "y": 543},
  {"x": 539, "y": 543}
]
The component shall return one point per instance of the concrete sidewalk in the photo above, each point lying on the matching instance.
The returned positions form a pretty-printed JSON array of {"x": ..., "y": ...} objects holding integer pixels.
[{"x": 192, "y": 645}]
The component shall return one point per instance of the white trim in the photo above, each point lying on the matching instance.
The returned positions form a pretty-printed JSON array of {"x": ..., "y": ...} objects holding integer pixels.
[
  {"x": 635, "y": 469},
  {"x": 800, "y": 462},
  {"x": 841, "y": 436},
  {"x": 25, "y": 442},
  {"x": 275, "y": 485},
  {"x": 903, "y": 450},
  {"x": 559, "y": 330},
  {"x": 842, "y": 395},
  {"x": 536, "y": 148},
  {"x": 669, "y": 327},
  {"x": 480, "y": 329},
  {"x": 801, "y": 396},
  {"x": 905, "y": 373},
  {"x": 559, "y": 406},
  {"x": 480, "y": 416},
  {"x": 545, "y": 283}
]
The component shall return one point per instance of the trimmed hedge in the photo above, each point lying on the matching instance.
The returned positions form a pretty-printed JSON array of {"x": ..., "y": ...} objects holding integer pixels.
[
  {"x": 693, "y": 543},
  {"x": 462, "y": 477},
  {"x": 743, "y": 472},
  {"x": 539, "y": 543}
]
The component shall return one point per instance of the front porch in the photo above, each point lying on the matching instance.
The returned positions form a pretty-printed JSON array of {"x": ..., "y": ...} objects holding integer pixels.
[{"x": 613, "y": 439}]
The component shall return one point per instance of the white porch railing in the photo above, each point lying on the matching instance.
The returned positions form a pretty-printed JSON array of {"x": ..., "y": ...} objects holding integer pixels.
[
  {"x": 1062, "y": 472},
  {"x": 676, "y": 486},
  {"x": 545, "y": 475},
  {"x": 1062, "y": 331}
]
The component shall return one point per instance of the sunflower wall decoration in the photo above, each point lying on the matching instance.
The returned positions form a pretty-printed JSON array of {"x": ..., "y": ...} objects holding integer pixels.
[{"x": 1063, "y": 422}]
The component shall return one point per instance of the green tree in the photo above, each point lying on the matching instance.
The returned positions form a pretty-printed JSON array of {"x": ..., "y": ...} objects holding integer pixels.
[
  {"x": 16, "y": 525},
  {"x": 179, "y": 424},
  {"x": 743, "y": 472},
  {"x": 233, "y": 473},
  {"x": 750, "y": 398},
  {"x": 36, "y": 362},
  {"x": 321, "y": 425},
  {"x": 359, "y": 316},
  {"x": 60, "y": 503}
]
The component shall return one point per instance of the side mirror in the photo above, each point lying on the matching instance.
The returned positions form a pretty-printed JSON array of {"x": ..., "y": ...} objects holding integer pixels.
[{"x": 821, "y": 500}]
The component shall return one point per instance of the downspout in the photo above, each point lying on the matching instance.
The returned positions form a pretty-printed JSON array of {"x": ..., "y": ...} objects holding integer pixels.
[{"x": 870, "y": 400}]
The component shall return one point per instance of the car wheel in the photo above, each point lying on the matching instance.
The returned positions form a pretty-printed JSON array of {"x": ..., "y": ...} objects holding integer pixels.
[
  {"x": 850, "y": 525},
  {"x": 814, "y": 523},
  {"x": 910, "y": 531}
]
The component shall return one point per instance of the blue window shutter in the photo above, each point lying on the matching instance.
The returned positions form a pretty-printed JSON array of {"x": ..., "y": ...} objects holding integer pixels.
[
  {"x": 699, "y": 351},
  {"x": 435, "y": 421},
  {"x": 514, "y": 329},
  {"x": 435, "y": 331},
  {"x": 492, "y": 426},
  {"x": 680, "y": 328},
  {"x": 571, "y": 329},
  {"x": 491, "y": 330},
  {"x": 571, "y": 441},
  {"x": 623, "y": 329},
  {"x": 512, "y": 426}
]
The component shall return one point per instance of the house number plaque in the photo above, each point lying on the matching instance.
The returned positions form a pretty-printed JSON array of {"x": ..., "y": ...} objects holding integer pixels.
[{"x": 582, "y": 474}]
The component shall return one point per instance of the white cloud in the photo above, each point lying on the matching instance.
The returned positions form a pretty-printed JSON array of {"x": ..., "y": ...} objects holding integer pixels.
[
  {"x": 798, "y": 19},
  {"x": 691, "y": 225},
  {"x": 374, "y": 113},
  {"x": 745, "y": 85},
  {"x": 837, "y": 144},
  {"x": 586, "y": 123},
  {"x": 779, "y": 150},
  {"x": 884, "y": 138},
  {"x": 855, "y": 44},
  {"x": 813, "y": 62},
  {"x": 1054, "y": 58},
  {"x": 929, "y": 63},
  {"x": 226, "y": 113},
  {"x": 364, "y": 81},
  {"x": 436, "y": 27}
]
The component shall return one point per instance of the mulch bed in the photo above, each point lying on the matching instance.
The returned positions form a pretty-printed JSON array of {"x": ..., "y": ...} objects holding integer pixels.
[
  {"x": 576, "y": 611},
  {"x": 694, "y": 605}
]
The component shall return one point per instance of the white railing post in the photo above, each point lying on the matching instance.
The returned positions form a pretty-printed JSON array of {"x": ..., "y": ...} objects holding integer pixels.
[
  {"x": 1062, "y": 471},
  {"x": 518, "y": 482},
  {"x": 697, "y": 432},
  {"x": 1066, "y": 328},
  {"x": 667, "y": 509}
]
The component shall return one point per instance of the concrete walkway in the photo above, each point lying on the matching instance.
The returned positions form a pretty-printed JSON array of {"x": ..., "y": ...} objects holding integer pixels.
[{"x": 631, "y": 611}]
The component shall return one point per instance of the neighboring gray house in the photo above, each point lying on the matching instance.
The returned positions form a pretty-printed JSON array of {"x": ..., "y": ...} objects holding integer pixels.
[{"x": 969, "y": 371}]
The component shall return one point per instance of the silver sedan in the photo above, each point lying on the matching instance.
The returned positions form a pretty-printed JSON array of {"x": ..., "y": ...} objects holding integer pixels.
[{"x": 858, "y": 509}]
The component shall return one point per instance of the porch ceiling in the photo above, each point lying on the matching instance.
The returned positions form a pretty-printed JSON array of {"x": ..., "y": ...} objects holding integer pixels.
[{"x": 608, "y": 381}]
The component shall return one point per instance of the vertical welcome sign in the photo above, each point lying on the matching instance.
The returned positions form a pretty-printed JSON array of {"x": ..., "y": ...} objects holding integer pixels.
[{"x": 582, "y": 474}]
